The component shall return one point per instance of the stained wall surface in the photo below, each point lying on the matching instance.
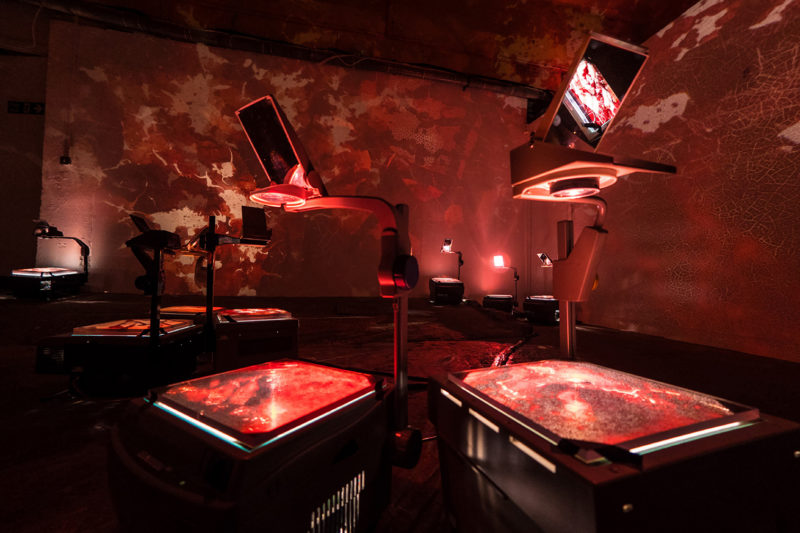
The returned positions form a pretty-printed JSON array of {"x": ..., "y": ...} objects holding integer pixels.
[
  {"x": 20, "y": 157},
  {"x": 712, "y": 254},
  {"x": 150, "y": 127}
]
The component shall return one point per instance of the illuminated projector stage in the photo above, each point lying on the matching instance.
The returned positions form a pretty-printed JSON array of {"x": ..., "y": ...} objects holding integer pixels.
[
  {"x": 46, "y": 281},
  {"x": 444, "y": 290},
  {"x": 245, "y": 336},
  {"x": 557, "y": 446},
  {"x": 282, "y": 446}
]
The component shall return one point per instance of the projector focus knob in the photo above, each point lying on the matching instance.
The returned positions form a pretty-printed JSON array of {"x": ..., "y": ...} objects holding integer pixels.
[{"x": 405, "y": 272}]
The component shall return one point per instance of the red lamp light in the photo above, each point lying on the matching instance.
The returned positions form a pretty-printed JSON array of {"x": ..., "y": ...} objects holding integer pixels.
[{"x": 490, "y": 300}]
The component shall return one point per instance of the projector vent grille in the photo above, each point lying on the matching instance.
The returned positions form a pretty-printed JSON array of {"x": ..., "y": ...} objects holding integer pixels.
[{"x": 340, "y": 512}]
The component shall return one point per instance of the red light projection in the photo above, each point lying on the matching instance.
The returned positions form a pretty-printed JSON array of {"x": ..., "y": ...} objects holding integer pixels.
[
  {"x": 43, "y": 272},
  {"x": 131, "y": 327},
  {"x": 256, "y": 313},
  {"x": 594, "y": 97},
  {"x": 276, "y": 198},
  {"x": 586, "y": 402},
  {"x": 237, "y": 315},
  {"x": 267, "y": 397}
]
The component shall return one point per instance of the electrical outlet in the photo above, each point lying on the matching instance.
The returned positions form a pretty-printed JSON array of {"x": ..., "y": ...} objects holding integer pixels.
[{"x": 65, "y": 160}]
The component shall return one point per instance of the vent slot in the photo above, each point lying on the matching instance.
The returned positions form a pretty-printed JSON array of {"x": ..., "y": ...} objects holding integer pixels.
[{"x": 340, "y": 511}]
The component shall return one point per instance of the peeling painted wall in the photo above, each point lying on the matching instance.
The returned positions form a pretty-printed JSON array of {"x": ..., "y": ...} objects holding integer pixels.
[
  {"x": 712, "y": 254},
  {"x": 150, "y": 127}
]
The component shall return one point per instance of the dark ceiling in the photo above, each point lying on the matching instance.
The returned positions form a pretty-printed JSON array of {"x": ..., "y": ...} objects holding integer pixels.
[{"x": 529, "y": 42}]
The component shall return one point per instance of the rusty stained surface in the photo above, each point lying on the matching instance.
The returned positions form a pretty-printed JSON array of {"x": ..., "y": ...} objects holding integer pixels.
[
  {"x": 528, "y": 41},
  {"x": 710, "y": 255},
  {"x": 151, "y": 129}
]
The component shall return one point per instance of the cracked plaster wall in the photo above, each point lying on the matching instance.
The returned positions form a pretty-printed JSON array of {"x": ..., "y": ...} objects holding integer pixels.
[{"x": 710, "y": 255}]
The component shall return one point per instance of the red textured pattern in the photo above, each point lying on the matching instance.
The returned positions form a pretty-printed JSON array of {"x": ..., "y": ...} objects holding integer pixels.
[
  {"x": 587, "y": 402},
  {"x": 590, "y": 89},
  {"x": 262, "y": 312},
  {"x": 163, "y": 141},
  {"x": 130, "y": 327},
  {"x": 266, "y": 397}
]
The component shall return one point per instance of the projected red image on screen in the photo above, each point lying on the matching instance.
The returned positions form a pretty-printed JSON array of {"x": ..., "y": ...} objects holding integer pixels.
[{"x": 589, "y": 97}]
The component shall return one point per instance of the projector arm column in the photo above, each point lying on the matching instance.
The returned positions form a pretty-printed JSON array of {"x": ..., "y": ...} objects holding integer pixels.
[
  {"x": 566, "y": 308},
  {"x": 574, "y": 272},
  {"x": 398, "y": 273}
]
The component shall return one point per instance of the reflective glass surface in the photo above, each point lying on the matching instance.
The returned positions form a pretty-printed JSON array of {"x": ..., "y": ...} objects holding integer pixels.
[{"x": 586, "y": 402}]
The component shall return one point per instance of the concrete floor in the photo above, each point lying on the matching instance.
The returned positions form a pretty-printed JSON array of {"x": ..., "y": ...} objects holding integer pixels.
[{"x": 53, "y": 457}]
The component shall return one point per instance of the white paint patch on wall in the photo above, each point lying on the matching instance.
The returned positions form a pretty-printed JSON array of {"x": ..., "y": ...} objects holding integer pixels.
[
  {"x": 340, "y": 129},
  {"x": 776, "y": 15},
  {"x": 95, "y": 74},
  {"x": 708, "y": 25},
  {"x": 704, "y": 27},
  {"x": 207, "y": 57},
  {"x": 146, "y": 116},
  {"x": 234, "y": 200},
  {"x": 192, "y": 97},
  {"x": 648, "y": 118},
  {"x": 169, "y": 220},
  {"x": 225, "y": 169},
  {"x": 791, "y": 134},
  {"x": 700, "y": 7}
]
